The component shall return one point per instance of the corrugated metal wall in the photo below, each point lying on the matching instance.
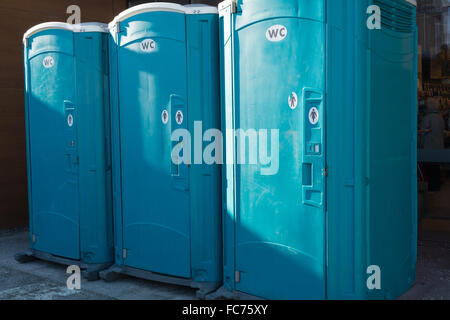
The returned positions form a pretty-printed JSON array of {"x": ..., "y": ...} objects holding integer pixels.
[{"x": 16, "y": 16}]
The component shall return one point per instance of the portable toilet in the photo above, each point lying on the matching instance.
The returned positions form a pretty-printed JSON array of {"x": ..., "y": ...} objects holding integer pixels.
[
  {"x": 336, "y": 81},
  {"x": 164, "y": 61},
  {"x": 68, "y": 145}
]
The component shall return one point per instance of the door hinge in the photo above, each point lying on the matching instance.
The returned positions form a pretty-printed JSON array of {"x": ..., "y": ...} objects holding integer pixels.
[
  {"x": 27, "y": 42},
  {"x": 237, "y": 276},
  {"x": 118, "y": 27},
  {"x": 325, "y": 171},
  {"x": 34, "y": 238},
  {"x": 124, "y": 253}
]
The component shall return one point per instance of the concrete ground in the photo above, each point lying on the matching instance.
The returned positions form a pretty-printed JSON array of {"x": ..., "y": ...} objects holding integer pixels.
[
  {"x": 42, "y": 280},
  {"x": 433, "y": 268}
]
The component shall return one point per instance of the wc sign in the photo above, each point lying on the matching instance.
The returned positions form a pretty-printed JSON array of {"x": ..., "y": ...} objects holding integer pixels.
[
  {"x": 276, "y": 33},
  {"x": 148, "y": 45},
  {"x": 48, "y": 62}
]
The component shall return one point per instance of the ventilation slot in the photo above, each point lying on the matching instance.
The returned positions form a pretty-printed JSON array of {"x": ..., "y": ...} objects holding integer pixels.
[{"x": 397, "y": 15}]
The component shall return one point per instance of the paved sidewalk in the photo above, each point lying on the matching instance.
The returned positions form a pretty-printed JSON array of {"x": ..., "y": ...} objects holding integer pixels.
[{"x": 42, "y": 280}]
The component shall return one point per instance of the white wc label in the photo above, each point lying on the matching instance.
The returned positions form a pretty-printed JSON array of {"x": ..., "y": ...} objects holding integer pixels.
[
  {"x": 165, "y": 116},
  {"x": 70, "y": 120},
  {"x": 313, "y": 115},
  {"x": 276, "y": 33},
  {"x": 48, "y": 62},
  {"x": 148, "y": 45},
  {"x": 293, "y": 101},
  {"x": 179, "y": 117}
]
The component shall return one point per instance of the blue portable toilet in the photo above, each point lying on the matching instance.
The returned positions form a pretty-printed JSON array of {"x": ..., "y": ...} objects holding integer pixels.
[
  {"x": 335, "y": 216},
  {"x": 164, "y": 78},
  {"x": 68, "y": 145}
]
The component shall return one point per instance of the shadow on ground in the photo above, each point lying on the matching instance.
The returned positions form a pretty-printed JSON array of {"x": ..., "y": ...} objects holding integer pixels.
[{"x": 40, "y": 280}]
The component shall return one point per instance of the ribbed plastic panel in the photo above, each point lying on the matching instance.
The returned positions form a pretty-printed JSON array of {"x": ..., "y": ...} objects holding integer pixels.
[{"x": 397, "y": 15}]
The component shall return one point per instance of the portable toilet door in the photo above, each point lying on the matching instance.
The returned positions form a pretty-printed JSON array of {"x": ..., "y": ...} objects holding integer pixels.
[
  {"x": 67, "y": 121},
  {"x": 164, "y": 69},
  {"x": 277, "y": 218},
  {"x": 283, "y": 239}
]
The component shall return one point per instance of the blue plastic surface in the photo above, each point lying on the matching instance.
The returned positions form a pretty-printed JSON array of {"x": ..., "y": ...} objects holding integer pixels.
[
  {"x": 344, "y": 198},
  {"x": 68, "y": 144},
  {"x": 167, "y": 216}
]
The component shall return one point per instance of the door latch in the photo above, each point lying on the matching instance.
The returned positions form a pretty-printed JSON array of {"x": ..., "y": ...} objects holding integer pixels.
[
  {"x": 325, "y": 172},
  {"x": 237, "y": 276}
]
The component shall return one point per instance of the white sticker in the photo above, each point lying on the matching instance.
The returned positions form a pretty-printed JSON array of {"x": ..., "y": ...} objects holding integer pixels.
[
  {"x": 70, "y": 120},
  {"x": 165, "y": 116},
  {"x": 148, "y": 45},
  {"x": 313, "y": 115},
  {"x": 48, "y": 62},
  {"x": 293, "y": 101},
  {"x": 179, "y": 117},
  {"x": 276, "y": 33}
]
